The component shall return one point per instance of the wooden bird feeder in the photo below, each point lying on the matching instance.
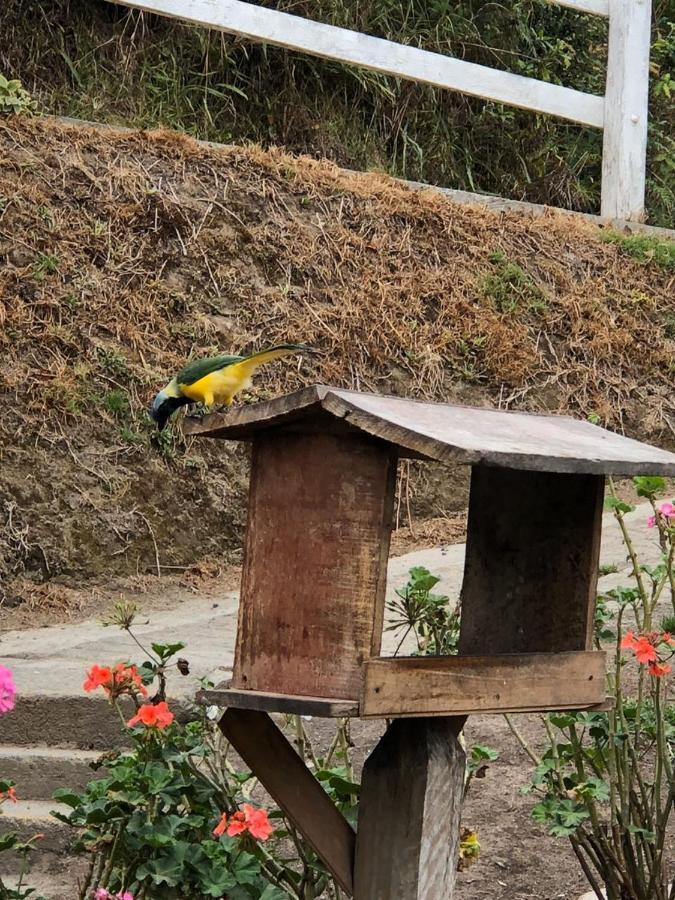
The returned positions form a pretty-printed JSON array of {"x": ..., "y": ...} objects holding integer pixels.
[{"x": 312, "y": 607}]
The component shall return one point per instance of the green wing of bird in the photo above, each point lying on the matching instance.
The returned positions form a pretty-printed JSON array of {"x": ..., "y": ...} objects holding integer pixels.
[{"x": 199, "y": 368}]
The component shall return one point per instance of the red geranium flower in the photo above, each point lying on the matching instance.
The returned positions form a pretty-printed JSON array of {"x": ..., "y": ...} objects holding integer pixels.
[
  {"x": 152, "y": 715},
  {"x": 255, "y": 821},
  {"x": 119, "y": 680},
  {"x": 659, "y": 669}
]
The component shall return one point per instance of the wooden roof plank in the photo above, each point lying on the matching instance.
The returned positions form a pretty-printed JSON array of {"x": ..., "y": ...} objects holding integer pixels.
[{"x": 458, "y": 434}]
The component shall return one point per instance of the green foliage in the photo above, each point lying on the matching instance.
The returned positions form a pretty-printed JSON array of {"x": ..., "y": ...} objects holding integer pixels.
[
  {"x": 14, "y": 98},
  {"x": 83, "y": 62},
  {"x": 644, "y": 247},
  {"x": 649, "y": 485},
  {"x": 510, "y": 287},
  {"x": 431, "y": 618},
  {"x": 605, "y": 779},
  {"x": 117, "y": 403},
  {"x": 46, "y": 264}
]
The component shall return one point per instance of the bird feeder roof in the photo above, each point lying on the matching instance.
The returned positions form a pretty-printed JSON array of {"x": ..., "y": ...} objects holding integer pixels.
[{"x": 444, "y": 432}]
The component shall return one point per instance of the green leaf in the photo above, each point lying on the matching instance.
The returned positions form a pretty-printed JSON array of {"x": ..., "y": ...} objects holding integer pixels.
[
  {"x": 67, "y": 797},
  {"x": 619, "y": 505},
  {"x": 165, "y": 651},
  {"x": 166, "y": 869},
  {"x": 649, "y": 485}
]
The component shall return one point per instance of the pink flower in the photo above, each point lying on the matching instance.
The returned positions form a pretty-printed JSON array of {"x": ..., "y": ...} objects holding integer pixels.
[
  {"x": 127, "y": 895},
  {"x": 666, "y": 510},
  {"x": 102, "y": 894},
  {"x": 7, "y": 690}
]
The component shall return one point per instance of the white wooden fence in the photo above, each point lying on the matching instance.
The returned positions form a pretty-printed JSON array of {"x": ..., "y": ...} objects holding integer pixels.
[{"x": 621, "y": 113}]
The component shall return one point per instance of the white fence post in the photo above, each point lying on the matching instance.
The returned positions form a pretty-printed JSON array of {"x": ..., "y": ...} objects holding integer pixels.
[{"x": 624, "y": 156}]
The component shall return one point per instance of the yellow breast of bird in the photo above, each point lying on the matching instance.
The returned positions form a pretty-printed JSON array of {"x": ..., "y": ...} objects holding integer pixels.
[{"x": 217, "y": 387}]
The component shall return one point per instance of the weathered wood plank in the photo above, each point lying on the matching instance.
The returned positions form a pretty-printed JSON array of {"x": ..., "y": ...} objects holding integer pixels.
[
  {"x": 456, "y": 434},
  {"x": 284, "y": 775},
  {"x": 314, "y": 576},
  {"x": 401, "y": 60},
  {"x": 531, "y": 569},
  {"x": 462, "y": 685},
  {"x": 265, "y": 701},
  {"x": 409, "y": 812},
  {"x": 624, "y": 152},
  {"x": 594, "y": 7}
]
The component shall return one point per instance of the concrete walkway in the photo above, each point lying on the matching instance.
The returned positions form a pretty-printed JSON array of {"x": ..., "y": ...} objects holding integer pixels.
[{"x": 52, "y": 661}]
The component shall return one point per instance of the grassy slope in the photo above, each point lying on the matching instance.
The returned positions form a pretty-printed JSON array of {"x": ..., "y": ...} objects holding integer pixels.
[
  {"x": 98, "y": 61},
  {"x": 123, "y": 254}
]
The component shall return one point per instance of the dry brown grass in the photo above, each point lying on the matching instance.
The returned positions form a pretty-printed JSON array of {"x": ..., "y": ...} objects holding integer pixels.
[
  {"x": 124, "y": 253},
  {"x": 128, "y": 253}
]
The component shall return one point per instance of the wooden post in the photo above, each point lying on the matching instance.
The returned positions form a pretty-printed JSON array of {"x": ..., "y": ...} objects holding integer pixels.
[
  {"x": 409, "y": 812},
  {"x": 624, "y": 156}
]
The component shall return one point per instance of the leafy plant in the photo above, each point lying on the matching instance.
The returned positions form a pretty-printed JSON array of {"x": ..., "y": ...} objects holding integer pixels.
[
  {"x": 606, "y": 779},
  {"x": 431, "y": 618},
  {"x": 173, "y": 817},
  {"x": 14, "y": 98}
]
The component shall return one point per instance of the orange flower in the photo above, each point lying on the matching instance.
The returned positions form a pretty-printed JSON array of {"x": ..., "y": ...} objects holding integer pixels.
[
  {"x": 628, "y": 641},
  {"x": 255, "y": 821},
  {"x": 659, "y": 669},
  {"x": 645, "y": 652},
  {"x": 97, "y": 677},
  {"x": 221, "y": 826},
  {"x": 116, "y": 681},
  {"x": 152, "y": 715},
  {"x": 9, "y": 794}
]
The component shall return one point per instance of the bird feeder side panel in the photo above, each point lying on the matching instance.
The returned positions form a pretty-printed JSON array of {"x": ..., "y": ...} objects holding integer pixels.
[
  {"x": 314, "y": 579},
  {"x": 532, "y": 556}
]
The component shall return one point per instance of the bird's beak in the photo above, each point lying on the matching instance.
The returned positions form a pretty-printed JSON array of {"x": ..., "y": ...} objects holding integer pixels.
[
  {"x": 164, "y": 406},
  {"x": 161, "y": 409}
]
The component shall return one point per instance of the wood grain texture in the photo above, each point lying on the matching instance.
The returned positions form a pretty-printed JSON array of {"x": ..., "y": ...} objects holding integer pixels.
[
  {"x": 624, "y": 150},
  {"x": 409, "y": 812},
  {"x": 462, "y": 685},
  {"x": 284, "y": 775},
  {"x": 456, "y": 434},
  {"x": 401, "y": 60},
  {"x": 314, "y": 576},
  {"x": 283, "y": 703},
  {"x": 531, "y": 569}
]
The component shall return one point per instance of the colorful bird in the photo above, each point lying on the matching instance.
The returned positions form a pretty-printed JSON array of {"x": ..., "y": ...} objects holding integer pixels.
[{"x": 214, "y": 380}]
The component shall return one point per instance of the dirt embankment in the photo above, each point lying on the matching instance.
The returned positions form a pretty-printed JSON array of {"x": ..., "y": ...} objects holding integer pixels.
[{"x": 122, "y": 254}]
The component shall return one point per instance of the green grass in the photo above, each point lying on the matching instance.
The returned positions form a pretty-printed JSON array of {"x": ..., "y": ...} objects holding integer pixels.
[
  {"x": 117, "y": 403},
  {"x": 510, "y": 288},
  {"x": 644, "y": 247}
]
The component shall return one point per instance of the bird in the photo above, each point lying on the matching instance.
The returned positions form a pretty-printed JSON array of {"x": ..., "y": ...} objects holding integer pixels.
[{"x": 214, "y": 380}]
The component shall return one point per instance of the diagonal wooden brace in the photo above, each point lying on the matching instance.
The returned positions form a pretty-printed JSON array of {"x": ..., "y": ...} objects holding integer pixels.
[{"x": 273, "y": 760}]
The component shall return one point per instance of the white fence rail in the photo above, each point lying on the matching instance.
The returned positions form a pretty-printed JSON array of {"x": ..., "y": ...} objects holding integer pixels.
[{"x": 621, "y": 113}]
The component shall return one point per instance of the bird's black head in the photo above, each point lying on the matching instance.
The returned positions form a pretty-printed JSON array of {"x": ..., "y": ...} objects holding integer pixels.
[{"x": 164, "y": 406}]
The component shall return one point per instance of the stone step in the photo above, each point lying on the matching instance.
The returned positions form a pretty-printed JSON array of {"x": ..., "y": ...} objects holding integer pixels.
[
  {"x": 59, "y": 883},
  {"x": 39, "y": 771},
  {"x": 30, "y": 817},
  {"x": 84, "y": 722}
]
